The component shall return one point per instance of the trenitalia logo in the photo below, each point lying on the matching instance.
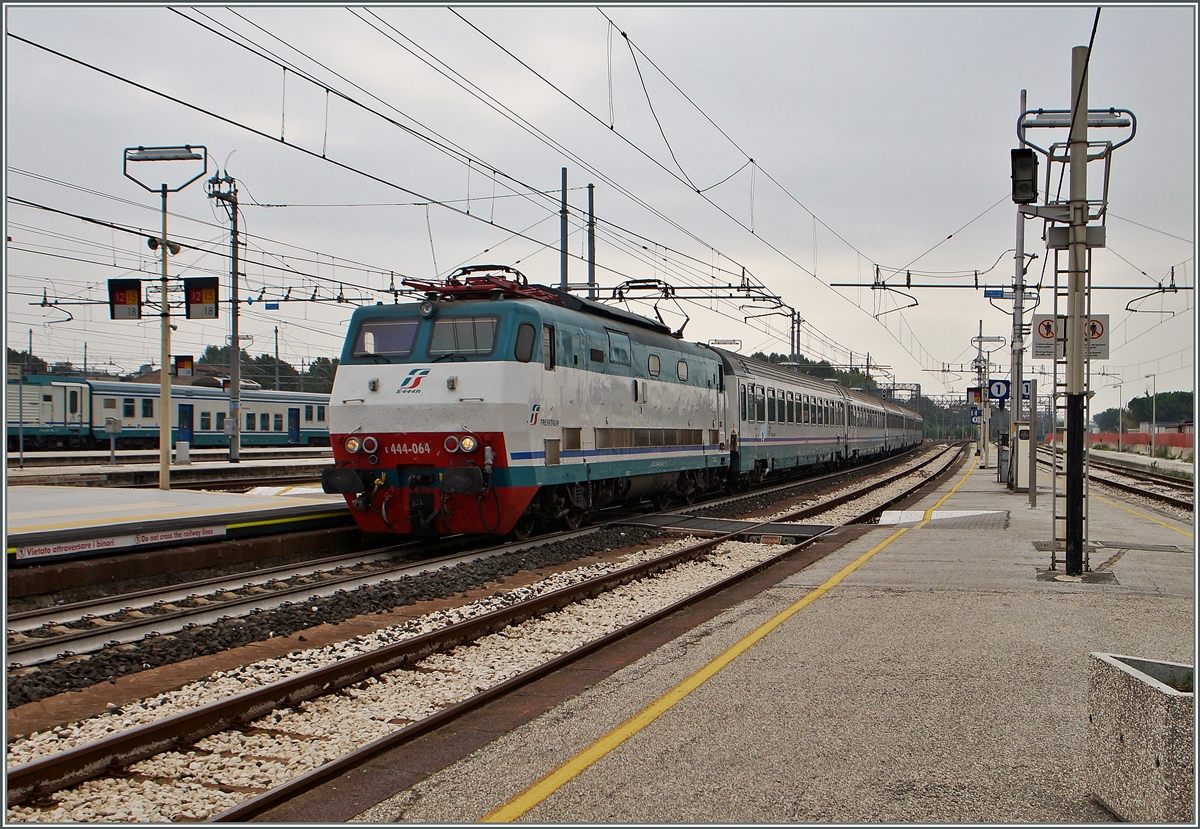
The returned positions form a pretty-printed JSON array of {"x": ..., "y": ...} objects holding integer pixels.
[
  {"x": 412, "y": 381},
  {"x": 534, "y": 413}
]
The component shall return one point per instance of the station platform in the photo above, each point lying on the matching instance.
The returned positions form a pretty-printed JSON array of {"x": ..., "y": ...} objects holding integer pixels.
[
  {"x": 1137, "y": 461},
  {"x": 931, "y": 672},
  {"x": 752, "y": 531},
  {"x": 47, "y": 523},
  {"x": 198, "y": 471}
]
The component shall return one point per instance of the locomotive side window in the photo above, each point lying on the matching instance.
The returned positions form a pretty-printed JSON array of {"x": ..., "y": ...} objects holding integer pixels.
[
  {"x": 386, "y": 338},
  {"x": 147, "y": 407},
  {"x": 548, "y": 355},
  {"x": 654, "y": 366},
  {"x": 462, "y": 335},
  {"x": 618, "y": 348},
  {"x": 682, "y": 370},
  {"x": 597, "y": 355},
  {"x": 525, "y": 336}
]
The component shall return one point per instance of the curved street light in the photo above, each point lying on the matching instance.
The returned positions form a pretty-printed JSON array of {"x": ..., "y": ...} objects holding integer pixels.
[{"x": 186, "y": 152}]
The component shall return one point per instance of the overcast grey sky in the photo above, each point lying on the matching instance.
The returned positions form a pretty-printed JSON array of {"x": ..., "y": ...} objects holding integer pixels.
[{"x": 876, "y": 134}]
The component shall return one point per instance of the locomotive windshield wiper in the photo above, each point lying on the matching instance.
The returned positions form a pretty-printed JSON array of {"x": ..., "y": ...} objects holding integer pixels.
[
  {"x": 452, "y": 355},
  {"x": 377, "y": 358}
]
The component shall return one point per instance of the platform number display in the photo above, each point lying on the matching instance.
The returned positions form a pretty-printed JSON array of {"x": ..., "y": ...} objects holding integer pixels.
[
  {"x": 998, "y": 389},
  {"x": 201, "y": 297},
  {"x": 125, "y": 299}
]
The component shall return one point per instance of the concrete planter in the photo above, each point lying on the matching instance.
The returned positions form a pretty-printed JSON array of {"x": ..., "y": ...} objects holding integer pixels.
[{"x": 1140, "y": 761}]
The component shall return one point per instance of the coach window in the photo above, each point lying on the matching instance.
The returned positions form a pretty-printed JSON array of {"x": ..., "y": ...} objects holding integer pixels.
[
  {"x": 147, "y": 407},
  {"x": 681, "y": 369},
  {"x": 110, "y": 403},
  {"x": 386, "y": 338},
  {"x": 548, "y": 356},
  {"x": 761, "y": 401},
  {"x": 841, "y": 414},
  {"x": 525, "y": 336},
  {"x": 264, "y": 422},
  {"x": 618, "y": 348},
  {"x": 220, "y": 421},
  {"x": 279, "y": 422},
  {"x": 206, "y": 421},
  {"x": 770, "y": 405},
  {"x": 744, "y": 401},
  {"x": 250, "y": 421},
  {"x": 791, "y": 409},
  {"x": 308, "y": 414},
  {"x": 654, "y": 366},
  {"x": 320, "y": 414},
  {"x": 127, "y": 409}
]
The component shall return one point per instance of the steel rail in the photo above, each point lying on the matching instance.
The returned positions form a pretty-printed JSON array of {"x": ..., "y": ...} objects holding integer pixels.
[{"x": 49, "y": 774}]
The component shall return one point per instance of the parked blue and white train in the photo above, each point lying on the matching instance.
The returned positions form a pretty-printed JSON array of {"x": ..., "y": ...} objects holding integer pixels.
[
  {"x": 494, "y": 406},
  {"x": 53, "y": 412}
]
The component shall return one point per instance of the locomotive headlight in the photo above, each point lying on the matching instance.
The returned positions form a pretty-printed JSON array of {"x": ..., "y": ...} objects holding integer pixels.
[
  {"x": 468, "y": 443},
  {"x": 370, "y": 445},
  {"x": 352, "y": 445},
  {"x": 451, "y": 443},
  {"x": 426, "y": 309}
]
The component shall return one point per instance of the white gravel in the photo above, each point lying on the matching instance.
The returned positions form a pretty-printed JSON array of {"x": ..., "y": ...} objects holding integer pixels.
[{"x": 225, "y": 768}]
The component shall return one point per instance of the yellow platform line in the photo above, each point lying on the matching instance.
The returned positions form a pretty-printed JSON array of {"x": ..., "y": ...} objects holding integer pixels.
[
  {"x": 1142, "y": 515},
  {"x": 556, "y": 779}
]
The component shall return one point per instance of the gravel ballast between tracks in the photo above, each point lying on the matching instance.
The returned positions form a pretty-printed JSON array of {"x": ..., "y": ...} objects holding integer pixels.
[{"x": 75, "y": 674}]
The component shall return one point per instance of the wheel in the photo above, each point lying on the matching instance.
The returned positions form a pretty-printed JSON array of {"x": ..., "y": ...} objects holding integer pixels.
[
  {"x": 524, "y": 527},
  {"x": 574, "y": 518},
  {"x": 661, "y": 501}
]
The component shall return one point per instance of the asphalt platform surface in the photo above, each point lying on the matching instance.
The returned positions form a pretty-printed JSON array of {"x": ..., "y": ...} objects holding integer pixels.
[{"x": 943, "y": 680}]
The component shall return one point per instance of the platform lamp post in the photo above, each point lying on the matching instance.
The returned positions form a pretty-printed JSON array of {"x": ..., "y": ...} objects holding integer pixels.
[
  {"x": 1153, "y": 418},
  {"x": 187, "y": 152},
  {"x": 1120, "y": 412}
]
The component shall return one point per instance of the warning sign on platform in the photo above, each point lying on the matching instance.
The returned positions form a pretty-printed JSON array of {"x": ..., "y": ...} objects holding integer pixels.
[{"x": 1049, "y": 341}]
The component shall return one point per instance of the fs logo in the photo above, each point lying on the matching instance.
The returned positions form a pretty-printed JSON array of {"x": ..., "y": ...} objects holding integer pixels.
[
  {"x": 412, "y": 381},
  {"x": 534, "y": 413}
]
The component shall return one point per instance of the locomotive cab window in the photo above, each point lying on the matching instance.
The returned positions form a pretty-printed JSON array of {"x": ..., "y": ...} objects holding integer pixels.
[
  {"x": 548, "y": 355},
  {"x": 386, "y": 338},
  {"x": 618, "y": 348},
  {"x": 462, "y": 335},
  {"x": 525, "y": 337}
]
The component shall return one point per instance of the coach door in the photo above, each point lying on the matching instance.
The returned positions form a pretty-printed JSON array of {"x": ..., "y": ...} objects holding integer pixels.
[
  {"x": 294, "y": 425},
  {"x": 185, "y": 422}
]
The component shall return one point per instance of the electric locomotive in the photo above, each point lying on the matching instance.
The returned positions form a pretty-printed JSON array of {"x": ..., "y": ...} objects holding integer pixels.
[{"x": 494, "y": 405}]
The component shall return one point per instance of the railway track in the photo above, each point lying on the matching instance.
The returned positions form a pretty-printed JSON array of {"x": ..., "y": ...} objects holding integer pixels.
[
  {"x": 36, "y": 637},
  {"x": 97, "y": 457},
  {"x": 276, "y": 729},
  {"x": 1155, "y": 487}
]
